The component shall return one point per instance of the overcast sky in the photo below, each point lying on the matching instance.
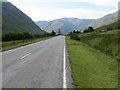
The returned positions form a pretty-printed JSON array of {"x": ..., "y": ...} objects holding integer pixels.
[{"x": 54, "y": 9}]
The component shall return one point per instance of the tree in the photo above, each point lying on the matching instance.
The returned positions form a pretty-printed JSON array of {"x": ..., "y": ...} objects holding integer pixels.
[
  {"x": 90, "y": 29},
  {"x": 59, "y": 32},
  {"x": 36, "y": 36},
  {"x": 53, "y": 33},
  {"x": 26, "y": 35},
  {"x": 74, "y": 31},
  {"x": 16, "y": 36},
  {"x": 69, "y": 33},
  {"x": 78, "y": 31}
]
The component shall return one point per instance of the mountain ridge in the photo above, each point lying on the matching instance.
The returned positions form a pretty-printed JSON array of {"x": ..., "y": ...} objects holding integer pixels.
[
  {"x": 66, "y": 24},
  {"x": 69, "y": 24}
]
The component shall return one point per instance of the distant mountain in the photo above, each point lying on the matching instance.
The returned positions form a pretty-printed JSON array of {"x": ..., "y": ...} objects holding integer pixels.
[
  {"x": 66, "y": 24},
  {"x": 41, "y": 23},
  {"x": 69, "y": 24},
  {"x": 14, "y": 20},
  {"x": 108, "y": 19}
]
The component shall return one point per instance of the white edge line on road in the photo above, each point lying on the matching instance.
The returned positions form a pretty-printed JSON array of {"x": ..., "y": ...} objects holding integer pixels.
[
  {"x": 64, "y": 70},
  {"x": 25, "y": 56}
]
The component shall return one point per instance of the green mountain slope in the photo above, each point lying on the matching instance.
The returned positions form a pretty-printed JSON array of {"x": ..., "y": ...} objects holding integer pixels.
[
  {"x": 108, "y": 19},
  {"x": 14, "y": 20},
  {"x": 111, "y": 26}
]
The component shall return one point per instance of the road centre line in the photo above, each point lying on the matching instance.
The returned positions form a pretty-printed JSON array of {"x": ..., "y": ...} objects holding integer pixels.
[{"x": 25, "y": 56}]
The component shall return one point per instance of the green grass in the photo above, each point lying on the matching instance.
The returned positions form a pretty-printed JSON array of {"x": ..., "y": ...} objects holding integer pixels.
[
  {"x": 90, "y": 67},
  {"x": 9, "y": 45},
  {"x": 106, "y": 42}
]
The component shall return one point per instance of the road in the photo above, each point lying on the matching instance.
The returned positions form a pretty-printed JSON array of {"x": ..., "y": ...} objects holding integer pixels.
[{"x": 38, "y": 65}]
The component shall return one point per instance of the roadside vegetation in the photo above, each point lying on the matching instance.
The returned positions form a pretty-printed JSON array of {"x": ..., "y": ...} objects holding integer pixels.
[
  {"x": 95, "y": 58},
  {"x": 106, "y": 42},
  {"x": 14, "y": 40},
  {"x": 90, "y": 29},
  {"x": 90, "y": 67},
  {"x": 74, "y": 35}
]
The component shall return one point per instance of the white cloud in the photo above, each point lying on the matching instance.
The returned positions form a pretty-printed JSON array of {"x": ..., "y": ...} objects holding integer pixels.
[
  {"x": 48, "y": 13},
  {"x": 113, "y": 3},
  {"x": 3, "y": 0}
]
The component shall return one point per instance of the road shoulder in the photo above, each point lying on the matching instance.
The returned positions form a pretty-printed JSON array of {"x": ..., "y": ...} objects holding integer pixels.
[{"x": 68, "y": 71}]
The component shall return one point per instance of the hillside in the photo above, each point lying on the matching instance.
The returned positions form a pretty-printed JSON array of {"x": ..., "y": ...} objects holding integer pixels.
[
  {"x": 66, "y": 24},
  {"x": 108, "y": 19},
  {"x": 15, "y": 20},
  {"x": 110, "y": 26},
  {"x": 114, "y": 24},
  {"x": 106, "y": 42}
]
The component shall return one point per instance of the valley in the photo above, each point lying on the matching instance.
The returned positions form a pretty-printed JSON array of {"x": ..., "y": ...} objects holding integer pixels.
[{"x": 66, "y": 52}]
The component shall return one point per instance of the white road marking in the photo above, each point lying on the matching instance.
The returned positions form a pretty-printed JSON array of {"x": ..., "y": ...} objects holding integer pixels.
[
  {"x": 25, "y": 56},
  {"x": 64, "y": 70}
]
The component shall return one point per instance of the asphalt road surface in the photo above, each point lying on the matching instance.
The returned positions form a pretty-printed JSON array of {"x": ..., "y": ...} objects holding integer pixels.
[{"x": 38, "y": 65}]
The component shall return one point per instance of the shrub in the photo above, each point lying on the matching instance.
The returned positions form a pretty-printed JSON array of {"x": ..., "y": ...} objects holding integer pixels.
[
  {"x": 36, "y": 36},
  {"x": 90, "y": 29},
  {"x": 74, "y": 32},
  {"x": 16, "y": 36},
  {"x": 74, "y": 37},
  {"x": 24, "y": 35}
]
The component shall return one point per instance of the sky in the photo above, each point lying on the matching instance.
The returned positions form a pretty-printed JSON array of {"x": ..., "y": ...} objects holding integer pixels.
[{"x": 40, "y": 10}]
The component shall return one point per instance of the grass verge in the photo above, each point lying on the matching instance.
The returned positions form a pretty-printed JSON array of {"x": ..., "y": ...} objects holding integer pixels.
[
  {"x": 90, "y": 67},
  {"x": 18, "y": 43}
]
